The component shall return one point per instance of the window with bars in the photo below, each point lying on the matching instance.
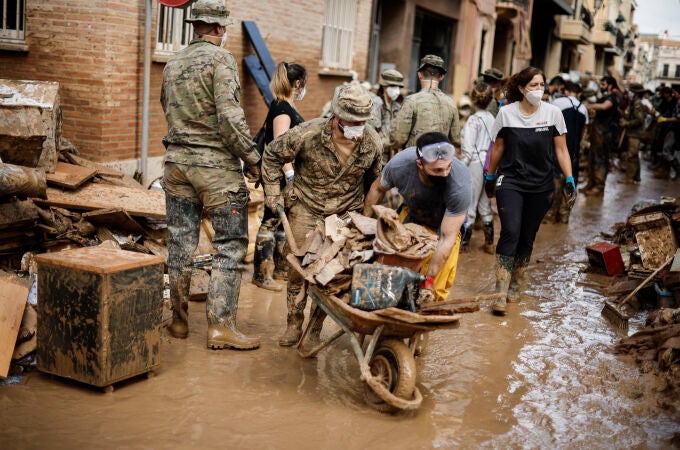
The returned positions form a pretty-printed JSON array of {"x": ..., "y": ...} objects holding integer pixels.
[
  {"x": 173, "y": 34},
  {"x": 337, "y": 40},
  {"x": 12, "y": 16}
]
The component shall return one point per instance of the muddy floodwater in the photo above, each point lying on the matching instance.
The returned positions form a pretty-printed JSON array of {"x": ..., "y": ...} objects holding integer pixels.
[{"x": 540, "y": 377}]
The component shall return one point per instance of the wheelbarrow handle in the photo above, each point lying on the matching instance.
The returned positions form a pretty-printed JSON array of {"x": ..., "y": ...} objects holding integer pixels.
[{"x": 289, "y": 232}]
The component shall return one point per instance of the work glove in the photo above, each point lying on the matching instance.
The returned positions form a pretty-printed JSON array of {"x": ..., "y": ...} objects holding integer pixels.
[
  {"x": 254, "y": 173},
  {"x": 490, "y": 185},
  {"x": 425, "y": 293},
  {"x": 570, "y": 188},
  {"x": 290, "y": 174},
  {"x": 273, "y": 201}
]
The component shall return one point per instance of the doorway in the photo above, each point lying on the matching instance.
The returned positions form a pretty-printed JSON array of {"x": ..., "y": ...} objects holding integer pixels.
[{"x": 431, "y": 36}]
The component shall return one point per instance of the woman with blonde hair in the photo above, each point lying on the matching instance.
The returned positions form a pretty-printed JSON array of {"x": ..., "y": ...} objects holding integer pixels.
[
  {"x": 476, "y": 140},
  {"x": 288, "y": 85},
  {"x": 529, "y": 135}
]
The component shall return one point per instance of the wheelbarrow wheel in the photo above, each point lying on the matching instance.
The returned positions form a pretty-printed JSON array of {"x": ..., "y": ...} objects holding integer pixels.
[{"x": 394, "y": 367}]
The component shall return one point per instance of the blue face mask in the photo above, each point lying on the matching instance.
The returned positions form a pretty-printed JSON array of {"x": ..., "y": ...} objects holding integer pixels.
[{"x": 502, "y": 102}]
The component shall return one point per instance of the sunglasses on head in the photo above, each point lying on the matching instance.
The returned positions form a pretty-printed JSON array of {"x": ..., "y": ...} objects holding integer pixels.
[{"x": 432, "y": 152}]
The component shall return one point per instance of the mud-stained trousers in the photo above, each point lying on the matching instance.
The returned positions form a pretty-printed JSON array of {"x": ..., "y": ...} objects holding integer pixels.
[
  {"x": 598, "y": 158},
  {"x": 631, "y": 159},
  {"x": 445, "y": 278},
  {"x": 189, "y": 189}
]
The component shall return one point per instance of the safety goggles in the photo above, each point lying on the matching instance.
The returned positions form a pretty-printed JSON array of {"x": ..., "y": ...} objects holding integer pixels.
[{"x": 432, "y": 152}]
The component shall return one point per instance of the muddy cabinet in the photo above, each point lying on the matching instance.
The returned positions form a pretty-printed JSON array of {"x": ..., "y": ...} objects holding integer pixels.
[{"x": 99, "y": 314}]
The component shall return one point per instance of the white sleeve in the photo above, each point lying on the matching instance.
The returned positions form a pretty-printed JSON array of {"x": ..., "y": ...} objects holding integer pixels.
[
  {"x": 498, "y": 124},
  {"x": 469, "y": 139},
  {"x": 560, "y": 125}
]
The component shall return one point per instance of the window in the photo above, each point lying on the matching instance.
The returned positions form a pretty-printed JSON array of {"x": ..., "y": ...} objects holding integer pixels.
[
  {"x": 337, "y": 40},
  {"x": 665, "y": 70},
  {"x": 677, "y": 71},
  {"x": 173, "y": 33},
  {"x": 12, "y": 17}
]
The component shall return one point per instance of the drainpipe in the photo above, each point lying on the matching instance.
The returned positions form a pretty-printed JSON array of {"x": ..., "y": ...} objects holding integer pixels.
[{"x": 145, "y": 94}]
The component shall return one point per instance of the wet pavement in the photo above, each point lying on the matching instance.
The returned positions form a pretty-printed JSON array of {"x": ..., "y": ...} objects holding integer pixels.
[{"x": 540, "y": 377}]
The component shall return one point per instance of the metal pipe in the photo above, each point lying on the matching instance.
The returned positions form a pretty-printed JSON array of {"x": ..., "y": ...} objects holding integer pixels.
[{"x": 145, "y": 94}]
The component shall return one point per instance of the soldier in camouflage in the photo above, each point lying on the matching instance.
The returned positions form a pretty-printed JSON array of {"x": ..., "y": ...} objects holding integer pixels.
[
  {"x": 495, "y": 78},
  {"x": 386, "y": 106},
  {"x": 207, "y": 138},
  {"x": 428, "y": 110},
  {"x": 633, "y": 123},
  {"x": 335, "y": 159}
]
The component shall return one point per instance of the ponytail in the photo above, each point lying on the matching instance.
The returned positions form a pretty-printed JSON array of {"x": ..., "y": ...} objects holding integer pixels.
[{"x": 284, "y": 79}]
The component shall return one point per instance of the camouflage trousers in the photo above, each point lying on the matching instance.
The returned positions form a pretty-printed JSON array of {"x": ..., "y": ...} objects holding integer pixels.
[
  {"x": 631, "y": 159},
  {"x": 598, "y": 158},
  {"x": 229, "y": 219}
]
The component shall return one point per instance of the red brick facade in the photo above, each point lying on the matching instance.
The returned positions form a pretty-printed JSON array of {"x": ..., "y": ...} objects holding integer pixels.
[{"x": 93, "y": 48}]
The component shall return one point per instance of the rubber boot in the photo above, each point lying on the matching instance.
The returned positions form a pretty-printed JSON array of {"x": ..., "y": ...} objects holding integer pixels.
[
  {"x": 517, "y": 278},
  {"x": 293, "y": 331},
  {"x": 488, "y": 238},
  {"x": 263, "y": 264},
  {"x": 280, "y": 262},
  {"x": 503, "y": 275},
  {"x": 465, "y": 242},
  {"x": 180, "y": 283},
  {"x": 221, "y": 308},
  {"x": 313, "y": 338}
]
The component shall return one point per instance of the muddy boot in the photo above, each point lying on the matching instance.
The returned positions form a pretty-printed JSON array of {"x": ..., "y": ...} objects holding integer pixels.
[
  {"x": 179, "y": 298},
  {"x": 263, "y": 265},
  {"x": 488, "y": 238},
  {"x": 221, "y": 308},
  {"x": 226, "y": 335},
  {"x": 503, "y": 275},
  {"x": 313, "y": 339},
  {"x": 280, "y": 262},
  {"x": 517, "y": 278},
  {"x": 293, "y": 331}
]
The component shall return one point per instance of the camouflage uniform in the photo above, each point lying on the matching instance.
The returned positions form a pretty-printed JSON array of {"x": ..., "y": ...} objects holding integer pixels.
[
  {"x": 426, "y": 111},
  {"x": 207, "y": 139},
  {"x": 635, "y": 128},
  {"x": 322, "y": 185}
]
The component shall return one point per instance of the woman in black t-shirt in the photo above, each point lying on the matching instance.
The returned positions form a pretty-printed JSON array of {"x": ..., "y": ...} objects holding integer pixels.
[
  {"x": 529, "y": 134},
  {"x": 287, "y": 85}
]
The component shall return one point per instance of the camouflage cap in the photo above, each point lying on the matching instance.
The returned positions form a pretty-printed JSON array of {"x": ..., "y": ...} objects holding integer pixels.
[
  {"x": 352, "y": 103},
  {"x": 210, "y": 11},
  {"x": 493, "y": 75},
  {"x": 391, "y": 77},
  {"x": 432, "y": 60},
  {"x": 636, "y": 88}
]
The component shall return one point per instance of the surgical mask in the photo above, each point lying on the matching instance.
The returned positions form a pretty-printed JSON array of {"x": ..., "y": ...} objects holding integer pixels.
[
  {"x": 392, "y": 92},
  {"x": 353, "y": 133},
  {"x": 223, "y": 42},
  {"x": 302, "y": 93},
  {"x": 534, "y": 97}
]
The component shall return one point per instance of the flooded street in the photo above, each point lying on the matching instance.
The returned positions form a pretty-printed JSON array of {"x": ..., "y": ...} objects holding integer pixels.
[{"x": 540, "y": 377}]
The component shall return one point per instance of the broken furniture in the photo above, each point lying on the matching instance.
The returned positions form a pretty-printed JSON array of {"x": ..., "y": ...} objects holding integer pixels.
[{"x": 100, "y": 314}]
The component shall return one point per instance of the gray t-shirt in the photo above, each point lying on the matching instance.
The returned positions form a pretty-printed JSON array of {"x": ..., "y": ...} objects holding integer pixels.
[{"x": 428, "y": 204}]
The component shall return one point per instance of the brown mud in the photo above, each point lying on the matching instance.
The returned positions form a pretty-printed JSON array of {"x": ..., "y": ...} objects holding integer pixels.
[{"x": 543, "y": 376}]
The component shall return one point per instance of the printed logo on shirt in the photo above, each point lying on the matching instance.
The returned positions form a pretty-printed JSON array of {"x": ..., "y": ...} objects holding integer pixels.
[
  {"x": 540, "y": 130},
  {"x": 538, "y": 124}
]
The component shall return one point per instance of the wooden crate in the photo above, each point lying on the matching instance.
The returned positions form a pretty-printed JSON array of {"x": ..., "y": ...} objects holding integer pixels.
[{"x": 99, "y": 314}]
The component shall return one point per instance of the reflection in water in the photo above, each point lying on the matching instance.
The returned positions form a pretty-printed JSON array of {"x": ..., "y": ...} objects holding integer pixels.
[{"x": 540, "y": 377}]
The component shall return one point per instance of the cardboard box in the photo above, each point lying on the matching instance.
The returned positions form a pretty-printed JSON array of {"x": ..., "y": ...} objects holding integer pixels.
[{"x": 99, "y": 314}]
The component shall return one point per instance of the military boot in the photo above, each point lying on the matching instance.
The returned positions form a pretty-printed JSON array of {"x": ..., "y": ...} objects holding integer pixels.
[
  {"x": 488, "y": 238},
  {"x": 316, "y": 318},
  {"x": 263, "y": 264},
  {"x": 280, "y": 261},
  {"x": 221, "y": 307},
  {"x": 517, "y": 278},
  {"x": 293, "y": 329},
  {"x": 180, "y": 282},
  {"x": 503, "y": 275}
]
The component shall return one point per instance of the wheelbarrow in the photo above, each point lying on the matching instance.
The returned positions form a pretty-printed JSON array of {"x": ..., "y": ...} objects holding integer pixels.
[{"x": 386, "y": 362}]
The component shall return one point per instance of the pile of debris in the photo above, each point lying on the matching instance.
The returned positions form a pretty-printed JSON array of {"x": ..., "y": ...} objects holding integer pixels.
[
  {"x": 650, "y": 236},
  {"x": 339, "y": 243}
]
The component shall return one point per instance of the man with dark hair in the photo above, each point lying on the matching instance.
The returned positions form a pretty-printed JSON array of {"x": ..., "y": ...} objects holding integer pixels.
[
  {"x": 603, "y": 137},
  {"x": 437, "y": 192},
  {"x": 427, "y": 110},
  {"x": 556, "y": 88},
  {"x": 207, "y": 139}
]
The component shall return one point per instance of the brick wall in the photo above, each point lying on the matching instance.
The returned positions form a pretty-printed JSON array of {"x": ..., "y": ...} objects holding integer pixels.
[{"x": 93, "y": 48}]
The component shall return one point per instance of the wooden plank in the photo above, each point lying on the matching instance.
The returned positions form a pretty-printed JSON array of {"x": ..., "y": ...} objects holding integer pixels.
[
  {"x": 144, "y": 203},
  {"x": 458, "y": 301},
  {"x": 12, "y": 304},
  {"x": 116, "y": 218},
  {"x": 253, "y": 34},
  {"x": 70, "y": 176},
  {"x": 409, "y": 317},
  {"x": 18, "y": 214}
]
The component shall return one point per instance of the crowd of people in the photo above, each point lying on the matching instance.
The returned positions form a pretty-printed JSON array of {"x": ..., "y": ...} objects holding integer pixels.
[{"x": 522, "y": 141}]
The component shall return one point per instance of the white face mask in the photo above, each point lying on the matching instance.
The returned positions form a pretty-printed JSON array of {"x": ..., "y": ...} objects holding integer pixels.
[
  {"x": 353, "y": 133},
  {"x": 223, "y": 42},
  {"x": 302, "y": 93},
  {"x": 534, "y": 97},
  {"x": 392, "y": 92}
]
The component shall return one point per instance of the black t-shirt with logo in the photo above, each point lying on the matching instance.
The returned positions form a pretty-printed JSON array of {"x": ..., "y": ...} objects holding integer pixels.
[{"x": 529, "y": 150}]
